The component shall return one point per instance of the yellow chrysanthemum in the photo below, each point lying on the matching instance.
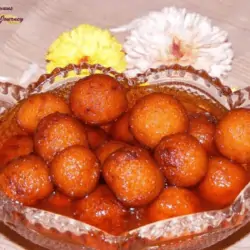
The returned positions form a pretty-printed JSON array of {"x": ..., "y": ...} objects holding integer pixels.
[
  {"x": 86, "y": 43},
  {"x": 144, "y": 84}
]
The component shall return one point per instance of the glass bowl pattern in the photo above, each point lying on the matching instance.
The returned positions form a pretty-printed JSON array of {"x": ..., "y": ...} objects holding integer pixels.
[{"x": 191, "y": 232}]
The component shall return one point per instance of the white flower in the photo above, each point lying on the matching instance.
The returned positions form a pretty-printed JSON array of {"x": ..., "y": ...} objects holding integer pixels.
[{"x": 173, "y": 36}]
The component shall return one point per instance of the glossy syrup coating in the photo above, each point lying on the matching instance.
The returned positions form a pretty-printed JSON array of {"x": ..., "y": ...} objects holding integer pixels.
[
  {"x": 173, "y": 202},
  {"x": 157, "y": 115},
  {"x": 57, "y": 203},
  {"x": 98, "y": 99},
  {"x": 203, "y": 127},
  {"x": 107, "y": 149},
  {"x": 15, "y": 147},
  {"x": 107, "y": 127},
  {"x": 182, "y": 159},
  {"x": 223, "y": 182},
  {"x": 75, "y": 171},
  {"x": 96, "y": 136},
  {"x": 133, "y": 176},
  {"x": 59, "y": 200},
  {"x": 56, "y": 132},
  {"x": 120, "y": 130},
  {"x": 26, "y": 180},
  {"x": 137, "y": 217},
  {"x": 102, "y": 210},
  {"x": 38, "y": 106},
  {"x": 232, "y": 135}
]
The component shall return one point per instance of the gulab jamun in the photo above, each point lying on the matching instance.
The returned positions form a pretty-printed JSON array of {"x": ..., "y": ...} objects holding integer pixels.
[
  {"x": 107, "y": 149},
  {"x": 96, "y": 136},
  {"x": 75, "y": 171},
  {"x": 182, "y": 159},
  {"x": 232, "y": 135},
  {"x": 133, "y": 176},
  {"x": 223, "y": 181},
  {"x": 15, "y": 147},
  {"x": 203, "y": 127},
  {"x": 56, "y": 132},
  {"x": 173, "y": 202},
  {"x": 26, "y": 180},
  {"x": 36, "y": 107},
  {"x": 102, "y": 210},
  {"x": 157, "y": 115},
  {"x": 120, "y": 129},
  {"x": 98, "y": 99}
]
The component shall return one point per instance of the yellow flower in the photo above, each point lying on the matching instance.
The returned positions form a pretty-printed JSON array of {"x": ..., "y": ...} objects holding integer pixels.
[
  {"x": 144, "y": 84},
  {"x": 86, "y": 43}
]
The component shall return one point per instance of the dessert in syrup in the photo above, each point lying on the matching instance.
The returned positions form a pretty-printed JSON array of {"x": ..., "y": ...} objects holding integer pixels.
[{"x": 118, "y": 167}]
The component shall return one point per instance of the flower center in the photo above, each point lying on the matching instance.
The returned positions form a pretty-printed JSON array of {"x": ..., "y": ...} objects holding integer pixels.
[
  {"x": 176, "y": 49},
  {"x": 84, "y": 59},
  {"x": 181, "y": 52}
]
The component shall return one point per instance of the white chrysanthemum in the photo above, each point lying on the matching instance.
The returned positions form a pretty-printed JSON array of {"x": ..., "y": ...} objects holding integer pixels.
[{"x": 173, "y": 36}]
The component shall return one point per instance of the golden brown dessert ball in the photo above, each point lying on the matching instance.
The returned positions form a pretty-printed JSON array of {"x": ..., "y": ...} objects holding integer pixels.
[
  {"x": 157, "y": 115},
  {"x": 15, "y": 147},
  {"x": 26, "y": 180},
  {"x": 232, "y": 135},
  {"x": 107, "y": 149},
  {"x": 75, "y": 171},
  {"x": 56, "y": 132},
  {"x": 98, "y": 99},
  {"x": 38, "y": 106},
  {"x": 223, "y": 182},
  {"x": 120, "y": 129},
  {"x": 133, "y": 176},
  {"x": 102, "y": 210},
  {"x": 203, "y": 127},
  {"x": 173, "y": 202},
  {"x": 96, "y": 136},
  {"x": 182, "y": 159}
]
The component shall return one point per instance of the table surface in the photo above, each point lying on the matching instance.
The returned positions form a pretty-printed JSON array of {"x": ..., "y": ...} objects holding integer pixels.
[{"x": 25, "y": 43}]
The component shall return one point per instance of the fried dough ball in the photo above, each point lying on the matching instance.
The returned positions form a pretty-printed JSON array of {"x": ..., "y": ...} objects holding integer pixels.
[
  {"x": 106, "y": 149},
  {"x": 26, "y": 180},
  {"x": 182, "y": 159},
  {"x": 38, "y": 106},
  {"x": 223, "y": 182},
  {"x": 98, "y": 99},
  {"x": 56, "y": 132},
  {"x": 15, "y": 147},
  {"x": 203, "y": 127},
  {"x": 96, "y": 137},
  {"x": 173, "y": 202},
  {"x": 102, "y": 210},
  {"x": 155, "y": 116},
  {"x": 75, "y": 171},
  {"x": 232, "y": 135},
  {"x": 133, "y": 176},
  {"x": 120, "y": 129}
]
